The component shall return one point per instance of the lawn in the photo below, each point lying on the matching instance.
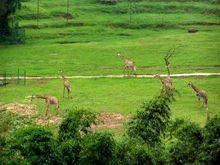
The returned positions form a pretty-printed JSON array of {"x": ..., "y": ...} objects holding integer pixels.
[
  {"x": 118, "y": 95},
  {"x": 89, "y": 43}
]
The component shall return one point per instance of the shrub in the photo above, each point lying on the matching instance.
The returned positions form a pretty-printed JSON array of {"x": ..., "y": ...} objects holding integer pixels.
[
  {"x": 10, "y": 156},
  {"x": 151, "y": 121},
  {"x": 132, "y": 151},
  {"x": 97, "y": 148},
  {"x": 210, "y": 150},
  {"x": 5, "y": 121},
  {"x": 35, "y": 144},
  {"x": 69, "y": 151},
  {"x": 76, "y": 123},
  {"x": 185, "y": 149}
]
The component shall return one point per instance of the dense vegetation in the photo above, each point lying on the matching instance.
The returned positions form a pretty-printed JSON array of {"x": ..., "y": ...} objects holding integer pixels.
[{"x": 181, "y": 142}]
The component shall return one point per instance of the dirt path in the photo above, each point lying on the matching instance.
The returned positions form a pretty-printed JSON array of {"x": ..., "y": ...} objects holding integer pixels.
[{"x": 119, "y": 76}]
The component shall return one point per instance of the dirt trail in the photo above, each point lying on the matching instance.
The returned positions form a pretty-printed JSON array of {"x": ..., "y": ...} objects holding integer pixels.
[{"x": 120, "y": 76}]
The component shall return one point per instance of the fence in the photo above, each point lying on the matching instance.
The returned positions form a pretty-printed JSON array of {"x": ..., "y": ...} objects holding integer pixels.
[{"x": 18, "y": 78}]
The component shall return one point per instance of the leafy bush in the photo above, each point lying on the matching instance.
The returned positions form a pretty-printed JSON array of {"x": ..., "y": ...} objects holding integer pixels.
[
  {"x": 77, "y": 122},
  {"x": 132, "y": 151},
  {"x": 210, "y": 150},
  {"x": 10, "y": 121},
  {"x": 5, "y": 121},
  {"x": 185, "y": 149},
  {"x": 10, "y": 156},
  {"x": 69, "y": 151},
  {"x": 35, "y": 144},
  {"x": 97, "y": 148},
  {"x": 151, "y": 121}
]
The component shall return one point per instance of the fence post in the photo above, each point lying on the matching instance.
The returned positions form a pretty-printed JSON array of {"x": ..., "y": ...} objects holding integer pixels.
[
  {"x": 18, "y": 78},
  {"x": 5, "y": 79},
  {"x": 24, "y": 77}
]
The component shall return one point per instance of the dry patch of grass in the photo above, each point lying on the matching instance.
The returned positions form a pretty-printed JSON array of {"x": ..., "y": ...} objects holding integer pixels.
[
  {"x": 45, "y": 120},
  {"x": 20, "y": 109},
  {"x": 110, "y": 120}
]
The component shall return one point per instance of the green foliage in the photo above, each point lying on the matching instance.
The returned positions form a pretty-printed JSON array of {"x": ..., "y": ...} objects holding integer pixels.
[
  {"x": 5, "y": 121},
  {"x": 151, "y": 120},
  {"x": 76, "y": 123},
  {"x": 111, "y": 2},
  {"x": 10, "y": 121},
  {"x": 185, "y": 149},
  {"x": 133, "y": 151},
  {"x": 97, "y": 148},
  {"x": 210, "y": 150},
  {"x": 69, "y": 151},
  {"x": 36, "y": 144},
  {"x": 7, "y": 8},
  {"x": 8, "y": 156}
]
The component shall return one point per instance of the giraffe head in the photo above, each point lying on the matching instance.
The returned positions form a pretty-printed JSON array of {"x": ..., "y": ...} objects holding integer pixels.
[
  {"x": 33, "y": 97},
  {"x": 190, "y": 84},
  {"x": 157, "y": 76},
  {"x": 118, "y": 54},
  {"x": 60, "y": 72}
]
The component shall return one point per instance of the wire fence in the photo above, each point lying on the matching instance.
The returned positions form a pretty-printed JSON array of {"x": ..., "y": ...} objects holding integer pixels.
[{"x": 16, "y": 78}]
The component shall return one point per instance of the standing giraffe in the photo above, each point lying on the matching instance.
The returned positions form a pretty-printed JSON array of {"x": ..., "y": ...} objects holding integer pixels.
[
  {"x": 49, "y": 100},
  {"x": 166, "y": 59},
  {"x": 167, "y": 86},
  {"x": 200, "y": 93},
  {"x": 66, "y": 84},
  {"x": 167, "y": 82},
  {"x": 128, "y": 64}
]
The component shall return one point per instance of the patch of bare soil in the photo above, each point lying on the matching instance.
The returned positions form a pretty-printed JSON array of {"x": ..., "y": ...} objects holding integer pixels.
[
  {"x": 45, "y": 120},
  {"x": 39, "y": 82},
  {"x": 20, "y": 109},
  {"x": 109, "y": 120}
]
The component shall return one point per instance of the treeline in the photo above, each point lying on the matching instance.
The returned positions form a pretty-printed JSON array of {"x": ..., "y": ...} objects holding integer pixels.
[{"x": 151, "y": 138}]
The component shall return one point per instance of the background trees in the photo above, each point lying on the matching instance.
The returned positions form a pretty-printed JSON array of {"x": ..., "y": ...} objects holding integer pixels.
[{"x": 7, "y": 9}]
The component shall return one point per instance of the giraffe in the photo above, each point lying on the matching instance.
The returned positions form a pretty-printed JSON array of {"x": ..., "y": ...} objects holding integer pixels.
[
  {"x": 49, "y": 100},
  {"x": 167, "y": 82},
  {"x": 128, "y": 64},
  {"x": 167, "y": 86},
  {"x": 200, "y": 93},
  {"x": 166, "y": 59},
  {"x": 66, "y": 84}
]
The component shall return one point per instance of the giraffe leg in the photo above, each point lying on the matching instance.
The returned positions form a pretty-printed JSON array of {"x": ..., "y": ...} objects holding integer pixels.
[
  {"x": 47, "y": 109},
  {"x": 63, "y": 91},
  {"x": 57, "y": 108},
  {"x": 198, "y": 98},
  {"x": 68, "y": 93}
]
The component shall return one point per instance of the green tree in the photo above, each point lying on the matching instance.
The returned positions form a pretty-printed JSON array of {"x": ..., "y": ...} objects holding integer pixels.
[
  {"x": 7, "y": 9},
  {"x": 36, "y": 144},
  {"x": 77, "y": 122},
  {"x": 151, "y": 120}
]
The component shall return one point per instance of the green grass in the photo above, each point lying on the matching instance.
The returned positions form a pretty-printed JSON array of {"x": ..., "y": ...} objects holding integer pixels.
[
  {"x": 87, "y": 46},
  {"x": 118, "y": 95}
]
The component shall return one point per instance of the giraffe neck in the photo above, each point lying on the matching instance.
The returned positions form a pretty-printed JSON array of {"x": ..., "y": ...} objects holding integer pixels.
[
  {"x": 194, "y": 88},
  {"x": 161, "y": 79},
  {"x": 42, "y": 96}
]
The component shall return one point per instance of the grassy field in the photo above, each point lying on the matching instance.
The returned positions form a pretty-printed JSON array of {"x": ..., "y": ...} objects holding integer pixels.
[
  {"x": 118, "y": 95},
  {"x": 88, "y": 44}
]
